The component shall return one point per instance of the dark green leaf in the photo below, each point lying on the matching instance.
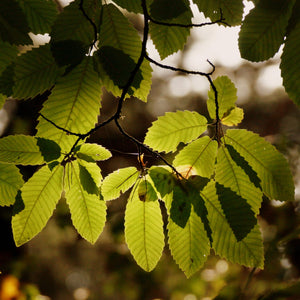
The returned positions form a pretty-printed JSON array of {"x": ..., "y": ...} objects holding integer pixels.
[
  {"x": 7, "y": 54},
  {"x": 162, "y": 10},
  {"x": 7, "y": 80},
  {"x": 49, "y": 149},
  {"x": 87, "y": 181},
  {"x": 131, "y": 5}
]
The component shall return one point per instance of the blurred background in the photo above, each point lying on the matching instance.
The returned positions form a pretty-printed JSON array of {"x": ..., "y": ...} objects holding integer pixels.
[{"x": 59, "y": 265}]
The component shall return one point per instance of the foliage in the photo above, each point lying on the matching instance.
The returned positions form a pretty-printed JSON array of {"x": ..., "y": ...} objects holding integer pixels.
[{"x": 212, "y": 190}]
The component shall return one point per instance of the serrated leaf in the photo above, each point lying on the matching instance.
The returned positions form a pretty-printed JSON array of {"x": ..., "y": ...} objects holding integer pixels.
[
  {"x": 40, "y": 14},
  {"x": 226, "y": 97},
  {"x": 170, "y": 39},
  {"x": 88, "y": 212},
  {"x": 74, "y": 105},
  {"x": 232, "y": 11},
  {"x": 117, "y": 32},
  {"x": 146, "y": 191},
  {"x": 131, "y": 5},
  {"x": 162, "y": 10},
  {"x": 39, "y": 195},
  {"x": 20, "y": 150},
  {"x": 35, "y": 72},
  {"x": 49, "y": 149},
  {"x": 7, "y": 80},
  {"x": 232, "y": 176},
  {"x": 144, "y": 230},
  {"x": 10, "y": 182},
  {"x": 94, "y": 171},
  {"x": 8, "y": 53},
  {"x": 270, "y": 165},
  {"x": 86, "y": 180},
  {"x": 235, "y": 116},
  {"x": 169, "y": 130},
  {"x": 118, "y": 182},
  {"x": 93, "y": 152},
  {"x": 13, "y": 24},
  {"x": 248, "y": 252},
  {"x": 198, "y": 156},
  {"x": 189, "y": 245},
  {"x": 264, "y": 28},
  {"x": 290, "y": 65}
]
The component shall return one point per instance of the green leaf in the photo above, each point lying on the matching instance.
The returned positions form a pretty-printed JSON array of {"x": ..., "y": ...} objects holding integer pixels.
[
  {"x": 189, "y": 245},
  {"x": 10, "y": 182},
  {"x": 118, "y": 182},
  {"x": 270, "y": 165},
  {"x": 290, "y": 65},
  {"x": 118, "y": 33},
  {"x": 40, "y": 14},
  {"x": 234, "y": 117},
  {"x": 20, "y": 150},
  {"x": 93, "y": 152},
  {"x": 169, "y": 130},
  {"x": 2, "y": 100},
  {"x": 86, "y": 180},
  {"x": 13, "y": 24},
  {"x": 8, "y": 53},
  {"x": 94, "y": 172},
  {"x": 232, "y": 11},
  {"x": 40, "y": 195},
  {"x": 248, "y": 252},
  {"x": 49, "y": 149},
  {"x": 131, "y": 5},
  {"x": 35, "y": 72},
  {"x": 198, "y": 156},
  {"x": 162, "y": 10},
  {"x": 146, "y": 191},
  {"x": 88, "y": 212},
  {"x": 74, "y": 105},
  {"x": 7, "y": 80},
  {"x": 144, "y": 230},
  {"x": 264, "y": 28},
  {"x": 226, "y": 97},
  {"x": 233, "y": 176},
  {"x": 170, "y": 39}
]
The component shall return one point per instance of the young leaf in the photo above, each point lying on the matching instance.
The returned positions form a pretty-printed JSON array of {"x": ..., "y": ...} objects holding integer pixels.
[
  {"x": 146, "y": 191},
  {"x": 199, "y": 155},
  {"x": 20, "y": 150},
  {"x": 118, "y": 182},
  {"x": 39, "y": 196},
  {"x": 88, "y": 211},
  {"x": 144, "y": 230},
  {"x": 169, "y": 130},
  {"x": 264, "y": 28},
  {"x": 270, "y": 165},
  {"x": 234, "y": 117},
  {"x": 226, "y": 97},
  {"x": 94, "y": 172},
  {"x": 232, "y": 11},
  {"x": 118, "y": 33},
  {"x": 232, "y": 176},
  {"x": 40, "y": 14},
  {"x": 13, "y": 24},
  {"x": 74, "y": 104},
  {"x": 290, "y": 65},
  {"x": 10, "y": 182},
  {"x": 93, "y": 152},
  {"x": 35, "y": 72},
  {"x": 248, "y": 252},
  {"x": 170, "y": 39},
  {"x": 190, "y": 244}
]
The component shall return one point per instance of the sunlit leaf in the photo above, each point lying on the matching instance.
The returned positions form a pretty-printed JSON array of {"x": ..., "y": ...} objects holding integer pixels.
[
  {"x": 74, "y": 105},
  {"x": 93, "y": 152},
  {"x": 270, "y": 165},
  {"x": 198, "y": 156},
  {"x": 290, "y": 65},
  {"x": 144, "y": 230},
  {"x": 13, "y": 24},
  {"x": 88, "y": 211},
  {"x": 169, "y": 130},
  {"x": 10, "y": 182},
  {"x": 118, "y": 182},
  {"x": 39, "y": 196},
  {"x": 49, "y": 149},
  {"x": 146, "y": 191},
  {"x": 234, "y": 117},
  {"x": 264, "y": 28},
  {"x": 40, "y": 14},
  {"x": 248, "y": 252},
  {"x": 170, "y": 39},
  {"x": 232, "y": 11},
  {"x": 35, "y": 72},
  {"x": 226, "y": 97}
]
